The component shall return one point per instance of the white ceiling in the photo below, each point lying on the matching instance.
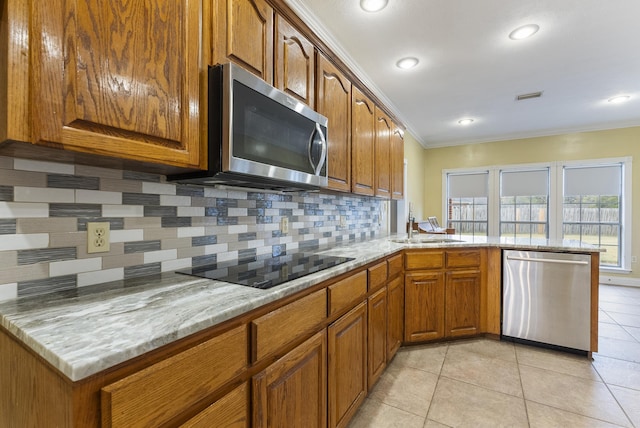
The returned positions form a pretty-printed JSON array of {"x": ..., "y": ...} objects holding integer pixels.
[{"x": 585, "y": 52}]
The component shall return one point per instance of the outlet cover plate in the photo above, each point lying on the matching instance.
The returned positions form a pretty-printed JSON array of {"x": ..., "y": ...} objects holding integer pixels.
[{"x": 98, "y": 237}]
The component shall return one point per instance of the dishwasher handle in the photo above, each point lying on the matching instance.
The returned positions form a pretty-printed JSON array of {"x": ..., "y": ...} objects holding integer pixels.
[{"x": 559, "y": 261}]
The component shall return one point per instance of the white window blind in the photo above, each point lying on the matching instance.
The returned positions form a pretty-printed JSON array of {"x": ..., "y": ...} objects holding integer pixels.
[
  {"x": 468, "y": 185},
  {"x": 524, "y": 183},
  {"x": 596, "y": 180}
]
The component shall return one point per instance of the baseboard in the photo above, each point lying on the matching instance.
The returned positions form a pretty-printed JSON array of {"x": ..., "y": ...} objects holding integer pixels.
[{"x": 618, "y": 280}]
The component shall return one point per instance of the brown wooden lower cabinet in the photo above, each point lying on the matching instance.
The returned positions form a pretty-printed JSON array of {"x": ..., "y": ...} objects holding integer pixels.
[
  {"x": 292, "y": 392},
  {"x": 462, "y": 297},
  {"x": 424, "y": 306},
  {"x": 347, "y": 365},
  {"x": 231, "y": 411},
  {"x": 377, "y": 327},
  {"x": 395, "y": 315}
]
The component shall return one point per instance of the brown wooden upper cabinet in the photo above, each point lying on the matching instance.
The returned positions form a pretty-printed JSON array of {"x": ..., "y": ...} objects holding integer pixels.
[
  {"x": 397, "y": 163},
  {"x": 294, "y": 62},
  {"x": 363, "y": 127},
  {"x": 117, "y": 81},
  {"x": 334, "y": 102},
  {"x": 243, "y": 33},
  {"x": 382, "y": 154}
]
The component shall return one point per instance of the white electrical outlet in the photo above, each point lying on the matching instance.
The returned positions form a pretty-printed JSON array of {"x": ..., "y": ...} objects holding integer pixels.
[
  {"x": 98, "y": 237},
  {"x": 284, "y": 224},
  {"x": 343, "y": 221}
]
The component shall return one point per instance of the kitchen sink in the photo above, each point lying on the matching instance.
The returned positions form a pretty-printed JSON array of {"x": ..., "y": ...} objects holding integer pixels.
[{"x": 424, "y": 240}]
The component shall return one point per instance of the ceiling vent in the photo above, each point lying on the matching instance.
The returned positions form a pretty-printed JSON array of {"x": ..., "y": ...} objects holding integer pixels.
[{"x": 529, "y": 96}]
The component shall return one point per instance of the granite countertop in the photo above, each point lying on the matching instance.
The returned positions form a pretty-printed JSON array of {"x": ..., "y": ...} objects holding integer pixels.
[{"x": 82, "y": 332}]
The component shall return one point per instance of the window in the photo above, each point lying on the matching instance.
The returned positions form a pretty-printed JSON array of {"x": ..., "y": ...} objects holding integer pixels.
[
  {"x": 467, "y": 209},
  {"x": 589, "y": 201},
  {"x": 524, "y": 204},
  {"x": 592, "y": 208}
]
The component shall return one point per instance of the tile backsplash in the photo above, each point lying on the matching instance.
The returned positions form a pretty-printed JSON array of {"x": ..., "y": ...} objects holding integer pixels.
[{"x": 155, "y": 226}]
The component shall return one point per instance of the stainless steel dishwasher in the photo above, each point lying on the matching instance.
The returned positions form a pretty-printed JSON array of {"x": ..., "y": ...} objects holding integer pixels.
[{"x": 546, "y": 298}]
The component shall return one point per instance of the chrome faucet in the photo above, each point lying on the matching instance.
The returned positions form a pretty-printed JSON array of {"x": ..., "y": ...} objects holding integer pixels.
[{"x": 410, "y": 233}]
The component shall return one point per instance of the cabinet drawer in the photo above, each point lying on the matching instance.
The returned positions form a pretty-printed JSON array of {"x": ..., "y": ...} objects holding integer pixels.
[
  {"x": 347, "y": 292},
  {"x": 424, "y": 260},
  {"x": 231, "y": 411},
  {"x": 272, "y": 331},
  {"x": 458, "y": 259},
  {"x": 155, "y": 395},
  {"x": 377, "y": 275},
  {"x": 394, "y": 265}
]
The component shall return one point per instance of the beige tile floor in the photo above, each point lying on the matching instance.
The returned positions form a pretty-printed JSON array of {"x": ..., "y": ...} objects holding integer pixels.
[{"x": 487, "y": 383}]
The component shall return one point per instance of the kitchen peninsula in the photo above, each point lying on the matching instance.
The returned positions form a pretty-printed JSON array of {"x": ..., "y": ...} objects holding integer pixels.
[{"x": 174, "y": 349}]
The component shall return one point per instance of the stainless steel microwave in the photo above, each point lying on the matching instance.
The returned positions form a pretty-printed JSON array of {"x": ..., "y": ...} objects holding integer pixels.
[{"x": 260, "y": 136}]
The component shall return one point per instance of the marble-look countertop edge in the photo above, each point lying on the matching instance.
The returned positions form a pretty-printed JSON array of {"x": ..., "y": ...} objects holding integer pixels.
[{"x": 54, "y": 328}]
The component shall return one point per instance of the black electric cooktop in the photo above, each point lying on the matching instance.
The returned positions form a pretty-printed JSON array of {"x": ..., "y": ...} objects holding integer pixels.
[{"x": 268, "y": 272}]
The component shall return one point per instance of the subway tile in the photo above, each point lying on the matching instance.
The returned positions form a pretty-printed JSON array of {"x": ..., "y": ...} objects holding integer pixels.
[
  {"x": 204, "y": 260},
  {"x": 173, "y": 200},
  {"x": 227, "y": 221},
  {"x": 6, "y": 162},
  {"x": 158, "y": 188},
  {"x": 68, "y": 267},
  {"x": 10, "y": 177},
  {"x": 115, "y": 248},
  {"x": 123, "y": 210},
  {"x": 246, "y": 255},
  {"x": 190, "y": 211},
  {"x": 160, "y": 256},
  {"x": 43, "y": 194},
  {"x": 213, "y": 192},
  {"x": 160, "y": 233},
  {"x": 23, "y": 210},
  {"x": 75, "y": 210},
  {"x": 73, "y": 182},
  {"x": 98, "y": 197},
  {"x": 207, "y": 222},
  {"x": 8, "y": 291},
  {"x": 190, "y": 252},
  {"x": 215, "y": 248},
  {"x": 24, "y": 241},
  {"x": 176, "y": 243},
  {"x": 141, "y": 176},
  {"x": 43, "y": 225},
  {"x": 118, "y": 185},
  {"x": 246, "y": 236},
  {"x": 24, "y": 273},
  {"x": 8, "y": 259},
  {"x": 48, "y": 285},
  {"x": 142, "y": 270},
  {"x": 7, "y": 226},
  {"x": 6, "y": 193},
  {"x": 171, "y": 265},
  {"x": 26, "y": 257},
  {"x": 141, "y": 246},
  {"x": 197, "y": 201},
  {"x": 183, "y": 222},
  {"x": 160, "y": 211},
  {"x": 110, "y": 262},
  {"x": 67, "y": 239},
  {"x": 114, "y": 223},
  {"x": 142, "y": 223},
  {"x": 186, "y": 190},
  {"x": 126, "y": 235},
  {"x": 101, "y": 276},
  {"x": 225, "y": 257},
  {"x": 184, "y": 232},
  {"x": 204, "y": 240},
  {"x": 237, "y": 212},
  {"x": 43, "y": 166},
  {"x": 140, "y": 199},
  {"x": 96, "y": 171},
  {"x": 226, "y": 203}
]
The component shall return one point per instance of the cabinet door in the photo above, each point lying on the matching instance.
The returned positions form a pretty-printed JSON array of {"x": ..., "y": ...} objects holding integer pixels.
[
  {"x": 292, "y": 392},
  {"x": 118, "y": 78},
  {"x": 362, "y": 144},
  {"x": 382, "y": 153},
  {"x": 231, "y": 411},
  {"x": 347, "y": 339},
  {"x": 395, "y": 316},
  {"x": 334, "y": 102},
  {"x": 377, "y": 327},
  {"x": 462, "y": 303},
  {"x": 397, "y": 164},
  {"x": 424, "y": 306},
  {"x": 243, "y": 33},
  {"x": 294, "y": 63}
]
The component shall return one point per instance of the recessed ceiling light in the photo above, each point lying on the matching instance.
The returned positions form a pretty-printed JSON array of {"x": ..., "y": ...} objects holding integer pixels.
[
  {"x": 465, "y": 122},
  {"x": 619, "y": 99},
  {"x": 373, "y": 5},
  {"x": 524, "y": 32},
  {"x": 408, "y": 62}
]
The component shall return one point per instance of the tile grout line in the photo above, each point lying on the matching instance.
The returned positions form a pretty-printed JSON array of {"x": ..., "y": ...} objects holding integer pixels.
[{"x": 524, "y": 400}]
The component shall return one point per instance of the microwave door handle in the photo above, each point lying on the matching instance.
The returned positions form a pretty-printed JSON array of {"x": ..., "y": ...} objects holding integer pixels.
[{"x": 323, "y": 155}]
